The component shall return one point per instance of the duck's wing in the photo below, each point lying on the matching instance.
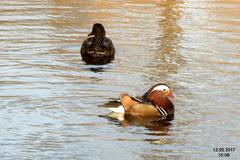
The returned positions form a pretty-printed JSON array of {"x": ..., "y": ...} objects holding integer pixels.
[
  {"x": 122, "y": 104},
  {"x": 135, "y": 106},
  {"x": 109, "y": 44},
  {"x": 109, "y": 48},
  {"x": 127, "y": 101},
  {"x": 86, "y": 46},
  {"x": 117, "y": 104},
  {"x": 143, "y": 109}
]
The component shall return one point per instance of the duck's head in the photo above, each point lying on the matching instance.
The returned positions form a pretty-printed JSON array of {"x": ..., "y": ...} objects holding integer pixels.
[
  {"x": 158, "y": 97},
  {"x": 98, "y": 30},
  {"x": 162, "y": 87}
]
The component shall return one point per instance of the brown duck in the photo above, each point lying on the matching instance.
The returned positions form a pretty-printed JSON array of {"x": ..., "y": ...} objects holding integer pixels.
[
  {"x": 97, "y": 49},
  {"x": 154, "y": 102}
]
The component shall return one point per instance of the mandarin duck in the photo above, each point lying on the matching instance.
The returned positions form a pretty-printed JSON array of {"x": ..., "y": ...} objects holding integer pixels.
[{"x": 154, "y": 102}]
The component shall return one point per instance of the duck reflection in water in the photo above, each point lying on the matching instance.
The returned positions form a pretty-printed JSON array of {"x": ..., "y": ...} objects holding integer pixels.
[
  {"x": 96, "y": 68},
  {"x": 151, "y": 123}
]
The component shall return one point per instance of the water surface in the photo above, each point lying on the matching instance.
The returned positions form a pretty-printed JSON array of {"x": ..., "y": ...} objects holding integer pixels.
[{"x": 52, "y": 104}]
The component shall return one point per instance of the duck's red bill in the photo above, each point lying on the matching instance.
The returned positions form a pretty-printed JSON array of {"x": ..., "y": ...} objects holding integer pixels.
[{"x": 171, "y": 94}]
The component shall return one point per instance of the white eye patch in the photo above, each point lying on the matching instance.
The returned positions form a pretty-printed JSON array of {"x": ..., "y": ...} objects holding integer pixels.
[{"x": 160, "y": 88}]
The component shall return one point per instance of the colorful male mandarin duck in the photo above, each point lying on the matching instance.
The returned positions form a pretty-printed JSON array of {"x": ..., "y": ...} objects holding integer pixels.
[
  {"x": 154, "y": 102},
  {"x": 97, "y": 49}
]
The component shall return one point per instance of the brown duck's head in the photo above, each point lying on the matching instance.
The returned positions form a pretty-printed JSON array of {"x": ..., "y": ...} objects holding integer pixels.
[
  {"x": 98, "y": 30},
  {"x": 156, "y": 96},
  {"x": 164, "y": 88},
  {"x": 160, "y": 99}
]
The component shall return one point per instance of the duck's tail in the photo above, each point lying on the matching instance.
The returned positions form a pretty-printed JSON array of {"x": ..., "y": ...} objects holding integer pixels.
[{"x": 119, "y": 109}]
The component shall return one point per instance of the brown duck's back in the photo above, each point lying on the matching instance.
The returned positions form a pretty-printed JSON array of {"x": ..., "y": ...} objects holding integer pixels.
[{"x": 97, "y": 54}]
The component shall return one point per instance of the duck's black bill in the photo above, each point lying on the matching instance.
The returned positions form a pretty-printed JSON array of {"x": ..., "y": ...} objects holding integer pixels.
[{"x": 90, "y": 34}]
